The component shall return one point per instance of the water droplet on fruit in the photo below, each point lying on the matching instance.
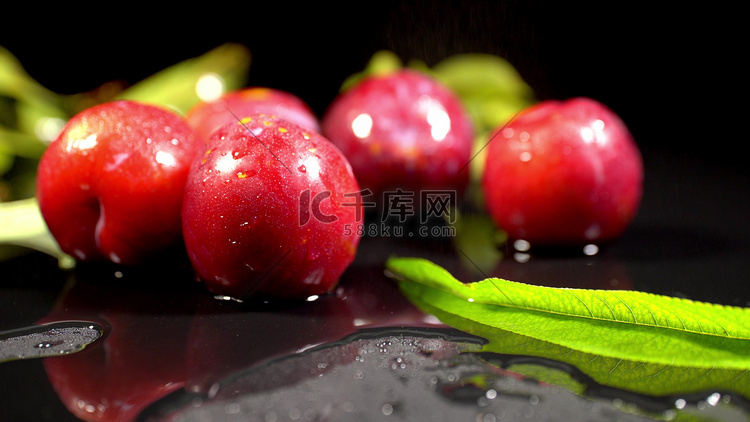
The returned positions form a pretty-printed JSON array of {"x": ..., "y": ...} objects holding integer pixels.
[
  {"x": 524, "y": 136},
  {"x": 525, "y": 156},
  {"x": 238, "y": 154},
  {"x": 508, "y": 132},
  {"x": 302, "y": 168}
]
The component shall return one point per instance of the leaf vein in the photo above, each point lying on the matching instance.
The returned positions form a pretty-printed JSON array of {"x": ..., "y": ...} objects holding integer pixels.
[
  {"x": 581, "y": 300},
  {"x": 635, "y": 320},
  {"x": 614, "y": 317}
]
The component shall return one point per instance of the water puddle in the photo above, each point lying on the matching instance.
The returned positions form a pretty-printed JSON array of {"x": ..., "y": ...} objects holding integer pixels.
[
  {"x": 47, "y": 340},
  {"x": 410, "y": 374}
]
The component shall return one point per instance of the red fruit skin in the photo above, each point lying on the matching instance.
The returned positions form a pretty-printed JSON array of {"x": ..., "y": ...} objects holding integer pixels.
[
  {"x": 564, "y": 173},
  {"x": 110, "y": 185},
  {"x": 248, "y": 230},
  {"x": 206, "y": 117},
  {"x": 417, "y": 136}
]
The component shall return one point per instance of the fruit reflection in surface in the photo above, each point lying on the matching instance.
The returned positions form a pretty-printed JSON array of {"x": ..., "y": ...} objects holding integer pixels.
[
  {"x": 270, "y": 210},
  {"x": 110, "y": 185},
  {"x": 563, "y": 173},
  {"x": 402, "y": 130},
  {"x": 141, "y": 356}
]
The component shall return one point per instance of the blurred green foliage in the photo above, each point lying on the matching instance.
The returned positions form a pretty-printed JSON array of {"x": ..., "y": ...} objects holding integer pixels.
[{"x": 32, "y": 115}]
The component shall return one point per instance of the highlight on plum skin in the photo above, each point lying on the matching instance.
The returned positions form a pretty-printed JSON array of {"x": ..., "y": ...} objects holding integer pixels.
[
  {"x": 402, "y": 130},
  {"x": 110, "y": 186},
  {"x": 563, "y": 174},
  {"x": 270, "y": 211}
]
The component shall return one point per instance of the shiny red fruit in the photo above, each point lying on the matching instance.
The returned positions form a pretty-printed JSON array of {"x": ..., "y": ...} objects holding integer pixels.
[
  {"x": 110, "y": 185},
  {"x": 208, "y": 116},
  {"x": 402, "y": 130},
  {"x": 564, "y": 173},
  {"x": 271, "y": 209}
]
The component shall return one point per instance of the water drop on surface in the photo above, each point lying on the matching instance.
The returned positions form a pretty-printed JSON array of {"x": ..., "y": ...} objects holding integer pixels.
[
  {"x": 302, "y": 168},
  {"x": 387, "y": 409},
  {"x": 590, "y": 250},
  {"x": 47, "y": 340}
]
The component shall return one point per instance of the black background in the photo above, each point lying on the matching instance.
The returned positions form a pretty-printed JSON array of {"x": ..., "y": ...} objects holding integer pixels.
[{"x": 672, "y": 73}]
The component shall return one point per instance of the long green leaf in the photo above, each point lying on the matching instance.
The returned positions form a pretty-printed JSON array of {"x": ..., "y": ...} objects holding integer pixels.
[{"x": 638, "y": 341}]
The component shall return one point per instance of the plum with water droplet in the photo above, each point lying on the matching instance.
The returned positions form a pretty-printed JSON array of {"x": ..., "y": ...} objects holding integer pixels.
[
  {"x": 563, "y": 174},
  {"x": 207, "y": 116},
  {"x": 402, "y": 129},
  {"x": 270, "y": 210},
  {"x": 110, "y": 185}
]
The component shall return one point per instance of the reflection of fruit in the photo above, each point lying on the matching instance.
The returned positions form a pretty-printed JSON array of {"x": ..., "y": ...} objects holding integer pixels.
[
  {"x": 563, "y": 174},
  {"x": 402, "y": 130},
  {"x": 224, "y": 341},
  {"x": 110, "y": 185},
  {"x": 270, "y": 210},
  {"x": 141, "y": 357},
  {"x": 206, "y": 117}
]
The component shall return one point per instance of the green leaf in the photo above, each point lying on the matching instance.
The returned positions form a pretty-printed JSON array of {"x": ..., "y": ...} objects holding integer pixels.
[
  {"x": 490, "y": 87},
  {"x": 381, "y": 63},
  {"x": 23, "y": 225},
  {"x": 16, "y": 83},
  {"x": 175, "y": 86},
  {"x": 478, "y": 239},
  {"x": 632, "y": 340}
]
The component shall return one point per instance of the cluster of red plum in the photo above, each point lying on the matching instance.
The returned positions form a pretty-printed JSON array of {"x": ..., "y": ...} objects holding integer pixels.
[{"x": 259, "y": 191}]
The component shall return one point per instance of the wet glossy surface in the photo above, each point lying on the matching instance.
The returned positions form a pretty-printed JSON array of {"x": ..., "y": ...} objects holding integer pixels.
[
  {"x": 670, "y": 74},
  {"x": 192, "y": 355}
]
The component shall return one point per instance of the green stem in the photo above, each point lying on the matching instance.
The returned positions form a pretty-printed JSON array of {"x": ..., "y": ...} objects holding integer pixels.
[{"x": 23, "y": 225}]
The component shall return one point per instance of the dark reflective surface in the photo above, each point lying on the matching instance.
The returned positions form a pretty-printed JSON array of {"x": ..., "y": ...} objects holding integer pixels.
[
  {"x": 670, "y": 75},
  {"x": 167, "y": 341}
]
